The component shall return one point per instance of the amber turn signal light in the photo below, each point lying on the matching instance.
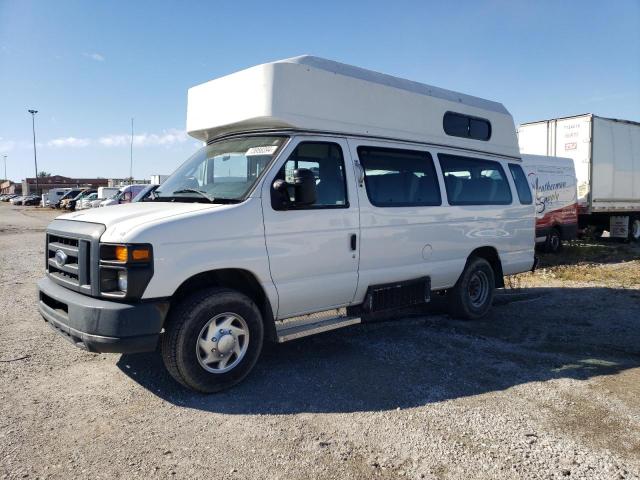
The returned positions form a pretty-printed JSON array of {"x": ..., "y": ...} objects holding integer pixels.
[
  {"x": 141, "y": 254},
  {"x": 121, "y": 253}
]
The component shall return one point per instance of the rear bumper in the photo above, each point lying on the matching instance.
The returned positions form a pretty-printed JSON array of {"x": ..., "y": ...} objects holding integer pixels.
[{"x": 100, "y": 325}]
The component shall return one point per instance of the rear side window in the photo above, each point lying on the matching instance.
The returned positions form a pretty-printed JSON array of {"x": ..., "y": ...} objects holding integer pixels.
[
  {"x": 459, "y": 125},
  {"x": 522, "y": 185},
  {"x": 399, "y": 178},
  {"x": 473, "y": 181}
]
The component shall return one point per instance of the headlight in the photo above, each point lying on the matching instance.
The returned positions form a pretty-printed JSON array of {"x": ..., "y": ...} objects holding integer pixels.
[
  {"x": 122, "y": 280},
  {"x": 125, "y": 270}
]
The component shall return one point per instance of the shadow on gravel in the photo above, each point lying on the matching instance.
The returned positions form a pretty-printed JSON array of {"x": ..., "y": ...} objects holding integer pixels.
[{"x": 536, "y": 335}]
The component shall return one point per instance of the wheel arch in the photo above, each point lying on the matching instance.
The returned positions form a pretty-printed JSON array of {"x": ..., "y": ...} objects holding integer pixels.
[
  {"x": 490, "y": 254},
  {"x": 237, "y": 279}
]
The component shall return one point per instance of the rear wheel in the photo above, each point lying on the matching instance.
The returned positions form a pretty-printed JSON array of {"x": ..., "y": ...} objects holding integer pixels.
[
  {"x": 554, "y": 241},
  {"x": 212, "y": 339},
  {"x": 472, "y": 295}
]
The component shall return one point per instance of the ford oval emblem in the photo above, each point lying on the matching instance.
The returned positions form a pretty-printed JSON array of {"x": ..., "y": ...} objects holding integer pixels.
[{"x": 61, "y": 258}]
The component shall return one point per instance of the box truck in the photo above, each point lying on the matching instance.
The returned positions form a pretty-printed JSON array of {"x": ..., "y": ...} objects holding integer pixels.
[
  {"x": 554, "y": 185},
  {"x": 606, "y": 154},
  {"x": 310, "y": 208}
]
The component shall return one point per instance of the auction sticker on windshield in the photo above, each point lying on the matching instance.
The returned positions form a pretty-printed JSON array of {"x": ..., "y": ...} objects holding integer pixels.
[{"x": 262, "y": 150}]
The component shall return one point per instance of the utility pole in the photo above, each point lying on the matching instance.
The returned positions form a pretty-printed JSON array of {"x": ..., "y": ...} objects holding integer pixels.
[
  {"x": 131, "y": 155},
  {"x": 35, "y": 157},
  {"x": 5, "y": 166}
]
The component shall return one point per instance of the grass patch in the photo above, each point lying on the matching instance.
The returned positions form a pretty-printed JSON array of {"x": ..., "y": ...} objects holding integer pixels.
[{"x": 598, "y": 263}]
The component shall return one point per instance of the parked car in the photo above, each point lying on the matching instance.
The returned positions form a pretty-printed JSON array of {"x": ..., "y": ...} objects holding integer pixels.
[
  {"x": 145, "y": 194},
  {"x": 71, "y": 204},
  {"x": 310, "y": 208},
  {"x": 53, "y": 196},
  {"x": 85, "y": 202},
  {"x": 7, "y": 197},
  {"x": 125, "y": 195},
  {"x": 17, "y": 200},
  {"x": 67, "y": 197},
  {"x": 32, "y": 200},
  {"x": 554, "y": 185}
]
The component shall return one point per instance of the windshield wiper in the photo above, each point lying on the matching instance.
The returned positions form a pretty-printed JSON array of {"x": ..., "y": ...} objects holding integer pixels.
[
  {"x": 193, "y": 190},
  {"x": 171, "y": 198}
]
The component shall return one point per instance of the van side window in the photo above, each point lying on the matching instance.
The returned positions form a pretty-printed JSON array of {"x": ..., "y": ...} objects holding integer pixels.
[
  {"x": 399, "y": 178},
  {"x": 522, "y": 185},
  {"x": 326, "y": 162},
  {"x": 472, "y": 181},
  {"x": 459, "y": 125}
]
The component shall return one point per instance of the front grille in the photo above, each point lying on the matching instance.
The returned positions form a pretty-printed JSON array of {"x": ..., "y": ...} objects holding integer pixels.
[{"x": 76, "y": 270}]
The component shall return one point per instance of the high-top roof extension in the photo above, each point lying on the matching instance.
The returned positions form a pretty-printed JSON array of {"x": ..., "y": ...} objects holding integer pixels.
[{"x": 314, "y": 94}]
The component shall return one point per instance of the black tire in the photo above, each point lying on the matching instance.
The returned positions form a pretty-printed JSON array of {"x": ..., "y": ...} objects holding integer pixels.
[
  {"x": 463, "y": 300},
  {"x": 634, "y": 229},
  {"x": 183, "y": 330},
  {"x": 553, "y": 244}
]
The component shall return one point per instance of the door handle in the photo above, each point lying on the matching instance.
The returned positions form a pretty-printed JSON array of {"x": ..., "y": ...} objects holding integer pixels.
[{"x": 353, "y": 241}]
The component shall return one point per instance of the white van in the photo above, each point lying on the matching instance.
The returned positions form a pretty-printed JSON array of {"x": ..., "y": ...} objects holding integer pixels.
[
  {"x": 325, "y": 193},
  {"x": 53, "y": 196},
  {"x": 555, "y": 188}
]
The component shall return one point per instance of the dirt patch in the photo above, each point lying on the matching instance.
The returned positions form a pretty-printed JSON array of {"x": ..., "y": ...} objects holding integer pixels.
[{"x": 545, "y": 387}]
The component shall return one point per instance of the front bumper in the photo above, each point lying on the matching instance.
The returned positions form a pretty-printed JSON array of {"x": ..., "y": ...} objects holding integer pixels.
[{"x": 100, "y": 325}]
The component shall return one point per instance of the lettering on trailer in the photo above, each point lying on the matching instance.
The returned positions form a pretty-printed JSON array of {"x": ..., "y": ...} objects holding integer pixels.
[
  {"x": 546, "y": 194},
  {"x": 570, "y": 146}
]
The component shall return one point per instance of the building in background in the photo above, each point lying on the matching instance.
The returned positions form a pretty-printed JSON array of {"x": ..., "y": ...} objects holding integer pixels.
[
  {"x": 158, "y": 179},
  {"x": 119, "y": 182},
  {"x": 57, "y": 181},
  {"x": 8, "y": 188}
]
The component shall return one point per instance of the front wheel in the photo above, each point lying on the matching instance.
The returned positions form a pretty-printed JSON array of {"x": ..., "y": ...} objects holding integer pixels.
[
  {"x": 472, "y": 295},
  {"x": 212, "y": 339}
]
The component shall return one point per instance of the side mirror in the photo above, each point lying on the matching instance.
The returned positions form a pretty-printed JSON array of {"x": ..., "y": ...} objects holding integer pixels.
[
  {"x": 304, "y": 183},
  {"x": 280, "y": 195}
]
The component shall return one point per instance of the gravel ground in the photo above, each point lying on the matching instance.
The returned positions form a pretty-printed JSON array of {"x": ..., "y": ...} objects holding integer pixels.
[{"x": 546, "y": 387}]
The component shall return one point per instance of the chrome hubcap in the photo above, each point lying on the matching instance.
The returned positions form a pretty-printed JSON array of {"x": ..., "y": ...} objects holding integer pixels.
[
  {"x": 478, "y": 288},
  {"x": 222, "y": 343}
]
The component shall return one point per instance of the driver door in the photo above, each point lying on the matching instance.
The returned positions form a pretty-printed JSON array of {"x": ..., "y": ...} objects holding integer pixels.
[{"x": 313, "y": 250}]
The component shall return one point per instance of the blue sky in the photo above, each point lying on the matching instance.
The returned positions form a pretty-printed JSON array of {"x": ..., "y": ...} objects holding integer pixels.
[{"x": 88, "y": 67}]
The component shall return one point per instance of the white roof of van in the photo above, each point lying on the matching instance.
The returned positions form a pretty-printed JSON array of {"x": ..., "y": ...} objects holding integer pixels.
[{"x": 311, "y": 93}]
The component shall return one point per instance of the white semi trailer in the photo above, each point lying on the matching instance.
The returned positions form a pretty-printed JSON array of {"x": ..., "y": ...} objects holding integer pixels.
[{"x": 606, "y": 153}]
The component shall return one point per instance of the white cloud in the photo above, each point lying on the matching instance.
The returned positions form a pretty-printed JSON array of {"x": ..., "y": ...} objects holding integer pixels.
[
  {"x": 165, "y": 139},
  {"x": 69, "y": 142},
  {"x": 95, "y": 56},
  {"x": 6, "y": 145}
]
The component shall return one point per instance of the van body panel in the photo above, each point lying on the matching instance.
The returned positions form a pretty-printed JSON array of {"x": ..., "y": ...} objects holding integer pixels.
[
  {"x": 310, "y": 257},
  {"x": 401, "y": 243},
  {"x": 209, "y": 237}
]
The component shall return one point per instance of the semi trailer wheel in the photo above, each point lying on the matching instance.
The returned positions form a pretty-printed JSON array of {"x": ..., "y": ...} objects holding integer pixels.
[
  {"x": 212, "y": 339},
  {"x": 472, "y": 295}
]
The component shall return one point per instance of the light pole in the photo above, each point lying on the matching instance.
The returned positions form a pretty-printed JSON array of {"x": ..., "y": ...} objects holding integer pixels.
[
  {"x": 5, "y": 166},
  {"x": 35, "y": 157},
  {"x": 131, "y": 155}
]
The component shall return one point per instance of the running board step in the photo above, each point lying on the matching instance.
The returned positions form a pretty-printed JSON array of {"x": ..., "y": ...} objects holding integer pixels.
[{"x": 291, "y": 332}]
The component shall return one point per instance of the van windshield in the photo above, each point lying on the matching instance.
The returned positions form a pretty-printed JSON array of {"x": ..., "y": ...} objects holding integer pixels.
[{"x": 222, "y": 172}]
